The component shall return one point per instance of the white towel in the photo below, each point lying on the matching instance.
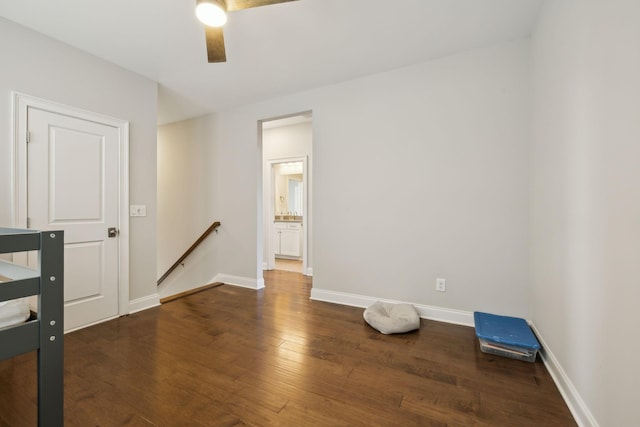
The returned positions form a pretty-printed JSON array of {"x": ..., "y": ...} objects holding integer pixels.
[{"x": 14, "y": 312}]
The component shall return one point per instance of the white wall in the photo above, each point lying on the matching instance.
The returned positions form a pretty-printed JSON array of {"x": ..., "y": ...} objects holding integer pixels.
[
  {"x": 185, "y": 205},
  {"x": 184, "y": 196},
  {"x": 429, "y": 167},
  {"x": 294, "y": 140},
  {"x": 439, "y": 152},
  {"x": 39, "y": 66},
  {"x": 284, "y": 142},
  {"x": 586, "y": 203},
  {"x": 229, "y": 194}
]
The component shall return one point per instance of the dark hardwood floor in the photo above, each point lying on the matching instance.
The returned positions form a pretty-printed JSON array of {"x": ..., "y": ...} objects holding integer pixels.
[{"x": 230, "y": 356}]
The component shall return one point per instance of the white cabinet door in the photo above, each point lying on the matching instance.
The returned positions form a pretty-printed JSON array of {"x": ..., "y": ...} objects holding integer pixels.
[
  {"x": 276, "y": 241},
  {"x": 278, "y": 226},
  {"x": 290, "y": 242}
]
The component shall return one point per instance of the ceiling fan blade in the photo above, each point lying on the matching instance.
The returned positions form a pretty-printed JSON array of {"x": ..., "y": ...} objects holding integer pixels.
[
  {"x": 215, "y": 44},
  {"x": 246, "y": 4}
]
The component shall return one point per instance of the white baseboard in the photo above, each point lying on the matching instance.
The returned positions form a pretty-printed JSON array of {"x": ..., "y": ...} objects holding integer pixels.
[
  {"x": 166, "y": 291},
  {"x": 144, "y": 303},
  {"x": 136, "y": 305},
  {"x": 265, "y": 266},
  {"x": 572, "y": 398},
  {"x": 243, "y": 282},
  {"x": 440, "y": 314},
  {"x": 97, "y": 322}
]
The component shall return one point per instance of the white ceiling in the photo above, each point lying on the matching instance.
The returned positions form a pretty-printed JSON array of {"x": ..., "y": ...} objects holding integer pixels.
[{"x": 272, "y": 50}]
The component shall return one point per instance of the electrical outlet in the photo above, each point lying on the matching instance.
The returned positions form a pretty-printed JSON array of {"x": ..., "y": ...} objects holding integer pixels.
[{"x": 441, "y": 285}]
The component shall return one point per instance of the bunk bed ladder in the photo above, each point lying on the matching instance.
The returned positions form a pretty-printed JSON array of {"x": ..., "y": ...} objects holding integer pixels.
[
  {"x": 51, "y": 317},
  {"x": 45, "y": 333}
]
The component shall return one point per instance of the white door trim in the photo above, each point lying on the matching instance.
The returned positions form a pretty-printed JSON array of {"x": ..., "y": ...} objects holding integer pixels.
[
  {"x": 20, "y": 104},
  {"x": 271, "y": 210}
]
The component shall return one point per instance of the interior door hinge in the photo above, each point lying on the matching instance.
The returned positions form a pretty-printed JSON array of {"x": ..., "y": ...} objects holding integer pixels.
[{"x": 28, "y": 137}]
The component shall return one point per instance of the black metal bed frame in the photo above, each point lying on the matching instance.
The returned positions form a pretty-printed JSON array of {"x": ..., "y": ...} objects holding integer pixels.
[{"x": 45, "y": 333}]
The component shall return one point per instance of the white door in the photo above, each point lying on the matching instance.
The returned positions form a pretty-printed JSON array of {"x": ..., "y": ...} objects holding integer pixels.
[{"x": 72, "y": 184}]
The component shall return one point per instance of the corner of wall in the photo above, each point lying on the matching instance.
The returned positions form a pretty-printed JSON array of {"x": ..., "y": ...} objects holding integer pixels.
[
  {"x": 569, "y": 393},
  {"x": 144, "y": 303}
]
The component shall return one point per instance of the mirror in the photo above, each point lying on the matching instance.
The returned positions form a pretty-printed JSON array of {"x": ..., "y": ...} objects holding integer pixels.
[
  {"x": 295, "y": 196},
  {"x": 289, "y": 190}
]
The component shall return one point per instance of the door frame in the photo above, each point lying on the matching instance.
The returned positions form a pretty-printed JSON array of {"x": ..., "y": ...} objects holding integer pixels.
[
  {"x": 20, "y": 104},
  {"x": 271, "y": 209}
]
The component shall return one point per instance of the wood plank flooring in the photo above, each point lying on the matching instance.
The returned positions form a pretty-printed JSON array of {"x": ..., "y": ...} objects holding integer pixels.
[
  {"x": 289, "y": 265},
  {"x": 230, "y": 356}
]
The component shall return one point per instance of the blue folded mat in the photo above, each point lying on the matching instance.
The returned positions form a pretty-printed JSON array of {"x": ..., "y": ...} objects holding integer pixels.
[{"x": 511, "y": 331}]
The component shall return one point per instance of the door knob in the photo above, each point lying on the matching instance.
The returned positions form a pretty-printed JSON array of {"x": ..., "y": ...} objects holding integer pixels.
[{"x": 112, "y": 232}]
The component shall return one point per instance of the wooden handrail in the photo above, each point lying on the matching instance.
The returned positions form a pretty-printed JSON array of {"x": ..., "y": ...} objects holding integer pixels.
[{"x": 188, "y": 251}]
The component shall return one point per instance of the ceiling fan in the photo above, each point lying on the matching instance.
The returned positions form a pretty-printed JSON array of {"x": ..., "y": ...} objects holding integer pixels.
[{"x": 213, "y": 13}]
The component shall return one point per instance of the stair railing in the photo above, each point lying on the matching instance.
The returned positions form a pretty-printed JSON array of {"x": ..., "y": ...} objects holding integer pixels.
[{"x": 175, "y": 265}]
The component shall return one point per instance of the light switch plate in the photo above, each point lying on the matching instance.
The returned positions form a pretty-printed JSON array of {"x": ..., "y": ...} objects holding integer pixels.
[{"x": 138, "y": 210}]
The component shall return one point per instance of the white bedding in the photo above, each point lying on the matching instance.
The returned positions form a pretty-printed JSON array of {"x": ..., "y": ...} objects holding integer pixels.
[{"x": 14, "y": 312}]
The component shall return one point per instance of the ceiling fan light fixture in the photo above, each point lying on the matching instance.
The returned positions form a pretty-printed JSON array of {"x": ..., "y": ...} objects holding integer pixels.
[{"x": 211, "y": 12}]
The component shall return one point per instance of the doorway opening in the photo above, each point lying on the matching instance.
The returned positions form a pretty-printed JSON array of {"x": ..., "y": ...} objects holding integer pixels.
[{"x": 287, "y": 194}]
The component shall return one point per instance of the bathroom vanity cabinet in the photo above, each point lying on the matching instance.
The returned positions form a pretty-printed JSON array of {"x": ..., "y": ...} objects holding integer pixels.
[{"x": 288, "y": 239}]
